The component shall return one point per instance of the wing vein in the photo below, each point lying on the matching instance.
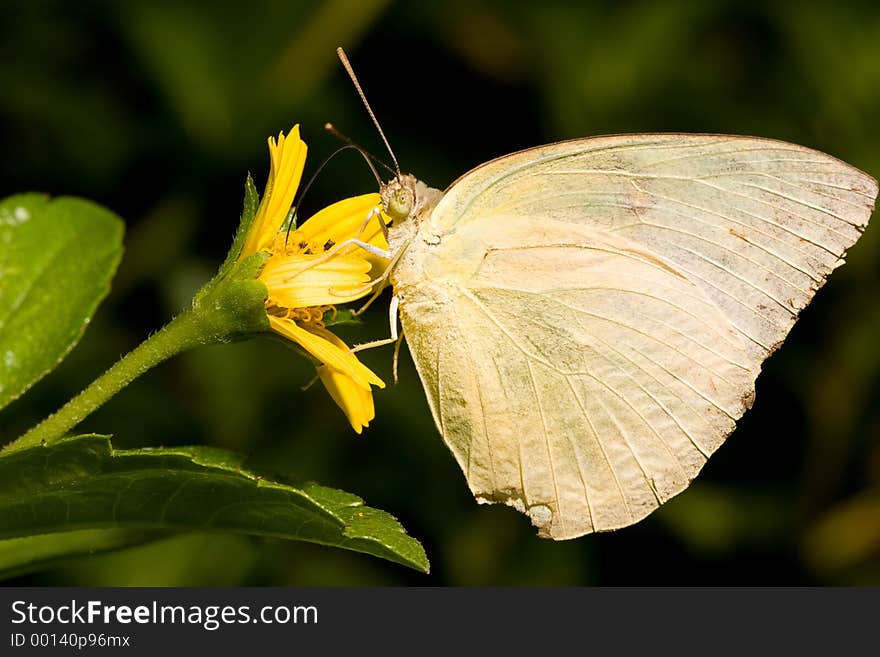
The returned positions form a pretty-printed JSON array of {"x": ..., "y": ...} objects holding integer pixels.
[
  {"x": 560, "y": 514},
  {"x": 625, "y": 436},
  {"x": 660, "y": 404},
  {"x": 486, "y": 428},
  {"x": 844, "y": 238},
  {"x": 740, "y": 278},
  {"x": 748, "y": 227},
  {"x": 732, "y": 252},
  {"x": 802, "y": 202},
  {"x": 611, "y": 469},
  {"x": 643, "y": 354},
  {"x": 629, "y": 327},
  {"x": 781, "y": 227},
  {"x": 798, "y": 183}
]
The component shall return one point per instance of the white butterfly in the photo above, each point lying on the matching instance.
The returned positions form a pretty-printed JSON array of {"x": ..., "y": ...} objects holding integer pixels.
[{"x": 588, "y": 318}]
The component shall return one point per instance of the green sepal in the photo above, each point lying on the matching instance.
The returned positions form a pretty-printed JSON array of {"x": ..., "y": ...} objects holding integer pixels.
[
  {"x": 290, "y": 221},
  {"x": 233, "y": 305},
  {"x": 248, "y": 213}
]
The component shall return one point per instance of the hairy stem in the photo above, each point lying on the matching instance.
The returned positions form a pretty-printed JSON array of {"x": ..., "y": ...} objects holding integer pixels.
[{"x": 183, "y": 332}]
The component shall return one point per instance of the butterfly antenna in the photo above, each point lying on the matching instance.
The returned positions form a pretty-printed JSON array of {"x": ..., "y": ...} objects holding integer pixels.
[
  {"x": 305, "y": 189},
  {"x": 367, "y": 155},
  {"x": 327, "y": 161},
  {"x": 342, "y": 57}
]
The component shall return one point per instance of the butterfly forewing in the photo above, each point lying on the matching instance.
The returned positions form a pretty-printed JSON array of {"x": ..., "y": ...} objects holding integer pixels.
[{"x": 757, "y": 223}]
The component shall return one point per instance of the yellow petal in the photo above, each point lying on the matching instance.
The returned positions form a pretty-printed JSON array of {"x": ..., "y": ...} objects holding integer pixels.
[
  {"x": 355, "y": 401},
  {"x": 328, "y": 349},
  {"x": 287, "y": 158},
  {"x": 343, "y": 220},
  {"x": 339, "y": 279}
]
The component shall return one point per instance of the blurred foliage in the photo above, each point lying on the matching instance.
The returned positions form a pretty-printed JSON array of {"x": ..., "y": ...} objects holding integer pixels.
[{"x": 158, "y": 108}]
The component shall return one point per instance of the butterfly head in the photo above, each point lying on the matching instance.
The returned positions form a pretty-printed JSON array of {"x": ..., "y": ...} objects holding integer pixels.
[
  {"x": 405, "y": 198},
  {"x": 399, "y": 197}
]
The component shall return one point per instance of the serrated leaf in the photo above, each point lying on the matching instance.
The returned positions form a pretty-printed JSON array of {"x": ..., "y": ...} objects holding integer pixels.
[
  {"x": 57, "y": 258},
  {"x": 84, "y": 483}
]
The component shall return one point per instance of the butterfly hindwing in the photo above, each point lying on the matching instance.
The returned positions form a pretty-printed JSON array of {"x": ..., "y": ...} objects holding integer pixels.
[{"x": 574, "y": 375}]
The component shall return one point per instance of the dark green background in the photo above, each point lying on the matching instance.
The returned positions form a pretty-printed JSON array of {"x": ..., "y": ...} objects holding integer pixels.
[{"x": 158, "y": 109}]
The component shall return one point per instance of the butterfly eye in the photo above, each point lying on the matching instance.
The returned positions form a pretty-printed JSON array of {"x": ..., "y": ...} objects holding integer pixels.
[{"x": 399, "y": 203}]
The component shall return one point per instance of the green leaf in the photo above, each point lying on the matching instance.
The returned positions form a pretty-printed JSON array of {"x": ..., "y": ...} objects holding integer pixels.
[
  {"x": 56, "y": 261},
  {"x": 84, "y": 483},
  {"x": 19, "y": 556},
  {"x": 342, "y": 317}
]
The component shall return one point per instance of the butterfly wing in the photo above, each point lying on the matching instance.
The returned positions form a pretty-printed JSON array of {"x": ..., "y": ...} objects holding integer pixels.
[
  {"x": 588, "y": 318},
  {"x": 757, "y": 223},
  {"x": 574, "y": 375}
]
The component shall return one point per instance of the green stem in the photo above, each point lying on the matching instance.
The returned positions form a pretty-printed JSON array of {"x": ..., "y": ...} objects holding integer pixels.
[{"x": 183, "y": 332}]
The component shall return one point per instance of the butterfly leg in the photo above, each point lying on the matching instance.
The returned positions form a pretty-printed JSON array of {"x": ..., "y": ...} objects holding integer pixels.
[
  {"x": 396, "y": 337},
  {"x": 369, "y": 248},
  {"x": 375, "y": 212},
  {"x": 375, "y": 250},
  {"x": 392, "y": 320},
  {"x": 376, "y": 281},
  {"x": 311, "y": 382},
  {"x": 397, "y": 356},
  {"x": 372, "y": 249}
]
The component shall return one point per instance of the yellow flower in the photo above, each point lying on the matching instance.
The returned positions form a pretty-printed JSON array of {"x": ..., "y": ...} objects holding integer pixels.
[{"x": 307, "y": 274}]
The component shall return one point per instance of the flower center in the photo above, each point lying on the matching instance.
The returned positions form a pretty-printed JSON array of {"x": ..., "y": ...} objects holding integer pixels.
[{"x": 309, "y": 315}]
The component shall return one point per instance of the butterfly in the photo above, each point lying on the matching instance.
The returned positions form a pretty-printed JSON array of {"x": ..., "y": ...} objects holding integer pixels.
[{"x": 588, "y": 318}]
